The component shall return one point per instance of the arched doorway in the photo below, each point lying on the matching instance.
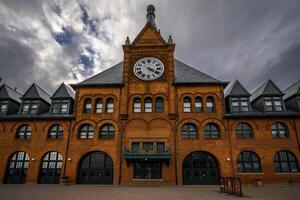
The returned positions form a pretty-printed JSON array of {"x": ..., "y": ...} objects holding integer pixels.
[
  {"x": 95, "y": 168},
  {"x": 200, "y": 168},
  {"x": 50, "y": 168},
  {"x": 17, "y": 168}
]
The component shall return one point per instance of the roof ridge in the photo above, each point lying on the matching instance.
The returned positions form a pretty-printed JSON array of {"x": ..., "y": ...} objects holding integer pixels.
[
  {"x": 297, "y": 82},
  {"x": 10, "y": 87}
]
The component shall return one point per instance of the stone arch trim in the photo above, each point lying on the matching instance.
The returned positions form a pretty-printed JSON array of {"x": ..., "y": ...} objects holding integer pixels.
[
  {"x": 17, "y": 125},
  {"x": 253, "y": 125},
  {"x": 83, "y": 121},
  {"x": 220, "y": 123},
  {"x": 288, "y": 124},
  {"x": 188, "y": 120}
]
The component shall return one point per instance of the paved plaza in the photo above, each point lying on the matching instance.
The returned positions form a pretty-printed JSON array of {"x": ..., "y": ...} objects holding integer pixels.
[{"x": 93, "y": 192}]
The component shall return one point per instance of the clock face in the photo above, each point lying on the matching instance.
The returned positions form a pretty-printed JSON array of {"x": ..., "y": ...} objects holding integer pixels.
[{"x": 148, "y": 68}]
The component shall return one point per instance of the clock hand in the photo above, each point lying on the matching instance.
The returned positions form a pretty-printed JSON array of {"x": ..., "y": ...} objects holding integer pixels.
[{"x": 150, "y": 69}]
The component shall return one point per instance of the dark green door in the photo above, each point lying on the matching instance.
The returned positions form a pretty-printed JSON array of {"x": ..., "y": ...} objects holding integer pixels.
[
  {"x": 95, "y": 168},
  {"x": 51, "y": 168},
  {"x": 200, "y": 168}
]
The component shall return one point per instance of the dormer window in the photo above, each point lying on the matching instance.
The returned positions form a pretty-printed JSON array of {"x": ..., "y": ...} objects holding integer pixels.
[
  {"x": 239, "y": 104},
  {"x": 3, "y": 107},
  {"x": 273, "y": 104},
  {"x": 30, "y": 107},
  {"x": 60, "y": 106}
]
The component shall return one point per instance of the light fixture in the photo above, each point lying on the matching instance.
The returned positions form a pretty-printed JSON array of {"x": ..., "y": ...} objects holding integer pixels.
[
  {"x": 69, "y": 159},
  {"x": 33, "y": 159},
  {"x": 228, "y": 159}
]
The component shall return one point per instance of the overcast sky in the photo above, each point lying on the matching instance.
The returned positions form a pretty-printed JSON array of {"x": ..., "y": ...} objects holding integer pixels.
[{"x": 49, "y": 42}]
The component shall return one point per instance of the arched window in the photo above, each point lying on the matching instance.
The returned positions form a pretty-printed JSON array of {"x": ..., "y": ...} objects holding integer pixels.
[
  {"x": 107, "y": 131},
  {"x": 148, "y": 105},
  {"x": 137, "y": 105},
  {"x": 51, "y": 168},
  {"x": 244, "y": 130},
  {"x": 109, "y": 105},
  {"x": 87, "y": 107},
  {"x": 99, "y": 106},
  {"x": 24, "y": 132},
  {"x": 56, "y": 132},
  {"x": 17, "y": 168},
  {"x": 187, "y": 104},
  {"x": 248, "y": 162},
  {"x": 189, "y": 130},
  {"x": 279, "y": 130},
  {"x": 159, "y": 104},
  {"x": 86, "y": 131},
  {"x": 285, "y": 162},
  {"x": 210, "y": 104},
  {"x": 211, "y": 131},
  {"x": 198, "y": 104}
]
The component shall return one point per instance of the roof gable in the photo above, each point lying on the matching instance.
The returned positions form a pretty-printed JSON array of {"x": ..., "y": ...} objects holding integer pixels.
[
  {"x": 63, "y": 91},
  {"x": 266, "y": 89},
  {"x": 35, "y": 92},
  {"x": 237, "y": 89},
  {"x": 6, "y": 92},
  {"x": 149, "y": 36},
  {"x": 294, "y": 89}
]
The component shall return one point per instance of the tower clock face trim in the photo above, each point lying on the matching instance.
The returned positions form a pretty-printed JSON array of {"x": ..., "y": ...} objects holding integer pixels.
[{"x": 148, "y": 68}]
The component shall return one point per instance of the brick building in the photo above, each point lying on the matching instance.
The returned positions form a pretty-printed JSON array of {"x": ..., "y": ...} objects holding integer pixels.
[{"x": 150, "y": 119}]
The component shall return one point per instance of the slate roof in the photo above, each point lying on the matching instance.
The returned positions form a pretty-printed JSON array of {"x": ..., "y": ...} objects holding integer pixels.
[
  {"x": 184, "y": 74},
  {"x": 267, "y": 88},
  {"x": 6, "y": 92},
  {"x": 63, "y": 91},
  {"x": 294, "y": 89},
  {"x": 237, "y": 89},
  {"x": 35, "y": 92}
]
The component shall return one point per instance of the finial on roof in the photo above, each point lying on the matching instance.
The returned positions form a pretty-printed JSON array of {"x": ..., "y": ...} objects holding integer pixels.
[
  {"x": 150, "y": 14},
  {"x": 170, "y": 40},
  {"x": 127, "y": 42}
]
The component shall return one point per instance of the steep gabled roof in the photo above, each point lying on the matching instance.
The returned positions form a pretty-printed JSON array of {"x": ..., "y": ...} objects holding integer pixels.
[
  {"x": 185, "y": 74},
  {"x": 111, "y": 76},
  {"x": 63, "y": 91},
  {"x": 6, "y": 92},
  {"x": 237, "y": 89},
  {"x": 294, "y": 89},
  {"x": 35, "y": 92},
  {"x": 267, "y": 88}
]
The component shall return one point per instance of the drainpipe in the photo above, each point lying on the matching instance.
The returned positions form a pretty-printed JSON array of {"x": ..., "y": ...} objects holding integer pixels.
[
  {"x": 230, "y": 147},
  {"x": 67, "y": 149},
  {"x": 297, "y": 136}
]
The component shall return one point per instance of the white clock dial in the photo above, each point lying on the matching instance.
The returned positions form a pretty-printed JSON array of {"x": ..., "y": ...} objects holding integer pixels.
[{"x": 148, "y": 68}]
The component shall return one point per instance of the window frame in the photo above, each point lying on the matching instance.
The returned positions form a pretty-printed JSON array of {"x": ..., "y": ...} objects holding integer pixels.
[
  {"x": 248, "y": 165},
  {"x": 58, "y": 130},
  {"x": 277, "y": 160},
  {"x": 272, "y": 107},
  {"x": 149, "y": 144},
  {"x": 189, "y": 131},
  {"x": 27, "y": 132},
  {"x": 209, "y": 133},
  {"x": 241, "y": 131},
  {"x": 159, "y": 105},
  {"x": 198, "y": 104},
  {"x": 148, "y": 105},
  {"x": 187, "y": 104},
  {"x": 60, "y": 103},
  {"x": 240, "y": 106},
  {"x": 30, "y": 104},
  {"x": 135, "y": 147},
  {"x": 6, "y": 104},
  {"x": 137, "y": 105},
  {"x": 87, "y": 110},
  {"x": 109, "y": 105},
  {"x": 211, "y": 100},
  {"x": 89, "y": 132},
  {"x": 107, "y": 131},
  {"x": 277, "y": 129},
  {"x": 99, "y": 105}
]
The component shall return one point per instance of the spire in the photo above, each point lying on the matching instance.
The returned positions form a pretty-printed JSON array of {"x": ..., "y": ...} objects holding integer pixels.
[{"x": 150, "y": 14}]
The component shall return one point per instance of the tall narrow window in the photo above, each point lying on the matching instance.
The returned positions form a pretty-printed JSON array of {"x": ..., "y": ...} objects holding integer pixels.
[
  {"x": 24, "y": 132},
  {"x": 279, "y": 130},
  {"x": 56, "y": 132},
  {"x": 99, "y": 106},
  {"x": 148, "y": 105},
  {"x": 86, "y": 131},
  {"x": 285, "y": 162},
  {"x": 148, "y": 146},
  {"x": 210, "y": 104},
  {"x": 198, "y": 104},
  {"x": 248, "y": 162},
  {"x": 211, "y": 131},
  {"x": 135, "y": 147},
  {"x": 3, "y": 107},
  {"x": 109, "y": 105},
  {"x": 87, "y": 107},
  {"x": 160, "y": 147},
  {"x": 187, "y": 104},
  {"x": 159, "y": 104},
  {"x": 107, "y": 131},
  {"x": 137, "y": 105}
]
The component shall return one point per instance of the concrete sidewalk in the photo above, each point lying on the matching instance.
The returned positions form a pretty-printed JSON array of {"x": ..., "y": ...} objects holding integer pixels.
[{"x": 98, "y": 192}]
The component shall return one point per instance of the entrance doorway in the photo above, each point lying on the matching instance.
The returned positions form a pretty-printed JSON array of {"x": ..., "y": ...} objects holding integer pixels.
[
  {"x": 17, "y": 168},
  {"x": 200, "y": 168},
  {"x": 147, "y": 170},
  {"x": 51, "y": 168},
  {"x": 95, "y": 168}
]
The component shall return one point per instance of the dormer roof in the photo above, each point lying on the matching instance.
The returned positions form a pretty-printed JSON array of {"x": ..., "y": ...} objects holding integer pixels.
[
  {"x": 237, "y": 89},
  {"x": 268, "y": 88},
  {"x": 294, "y": 89},
  {"x": 6, "y": 92},
  {"x": 35, "y": 92},
  {"x": 63, "y": 92}
]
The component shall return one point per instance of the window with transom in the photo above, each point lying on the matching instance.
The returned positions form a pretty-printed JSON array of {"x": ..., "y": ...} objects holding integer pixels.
[
  {"x": 86, "y": 131},
  {"x": 279, "y": 130},
  {"x": 24, "y": 132},
  {"x": 211, "y": 131},
  {"x": 244, "y": 130},
  {"x": 189, "y": 130},
  {"x": 56, "y": 132},
  {"x": 107, "y": 131},
  {"x": 248, "y": 162}
]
